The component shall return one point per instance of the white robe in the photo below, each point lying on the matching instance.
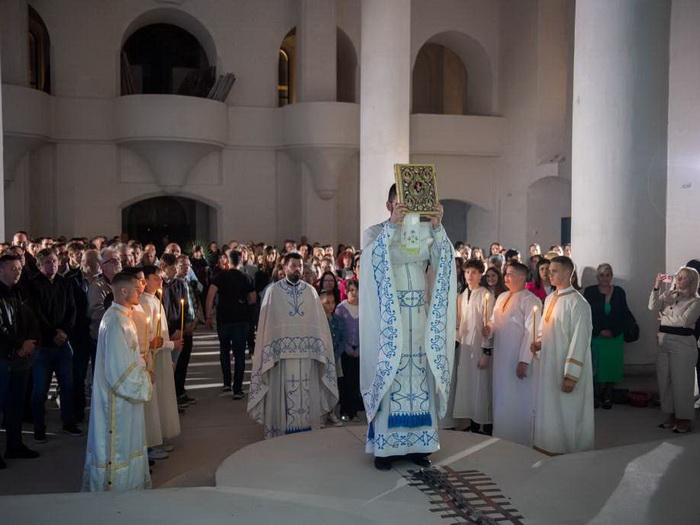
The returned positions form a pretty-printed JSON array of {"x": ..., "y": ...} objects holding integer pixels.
[
  {"x": 154, "y": 434},
  {"x": 116, "y": 457},
  {"x": 406, "y": 339},
  {"x": 473, "y": 387},
  {"x": 564, "y": 421},
  {"x": 293, "y": 379},
  {"x": 163, "y": 366},
  {"x": 511, "y": 325}
]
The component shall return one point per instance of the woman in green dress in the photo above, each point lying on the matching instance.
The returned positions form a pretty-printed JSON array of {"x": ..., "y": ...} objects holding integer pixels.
[{"x": 609, "y": 312}]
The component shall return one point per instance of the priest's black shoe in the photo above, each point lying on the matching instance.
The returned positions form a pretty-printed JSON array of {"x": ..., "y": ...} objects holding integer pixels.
[
  {"x": 382, "y": 464},
  {"x": 21, "y": 452},
  {"x": 421, "y": 461}
]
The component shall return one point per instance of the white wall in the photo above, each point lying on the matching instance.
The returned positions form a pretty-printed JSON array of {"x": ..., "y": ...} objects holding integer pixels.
[{"x": 683, "y": 185}]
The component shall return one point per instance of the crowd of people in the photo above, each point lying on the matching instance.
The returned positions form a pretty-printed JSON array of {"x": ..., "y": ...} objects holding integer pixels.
[{"x": 114, "y": 321}]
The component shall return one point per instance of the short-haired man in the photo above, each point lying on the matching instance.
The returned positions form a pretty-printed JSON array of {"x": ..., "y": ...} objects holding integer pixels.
[
  {"x": 236, "y": 294},
  {"x": 293, "y": 380},
  {"x": 564, "y": 382},
  {"x": 19, "y": 332},
  {"x": 192, "y": 313},
  {"x": 100, "y": 290},
  {"x": 54, "y": 304},
  {"x": 116, "y": 458},
  {"x": 511, "y": 327}
]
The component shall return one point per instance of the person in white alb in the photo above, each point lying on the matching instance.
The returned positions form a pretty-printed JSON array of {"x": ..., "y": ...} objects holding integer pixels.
[
  {"x": 116, "y": 457},
  {"x": 511, "y": 327},
  {"x": 678, "y": 309},
  {"x": 564, "y": 379}
]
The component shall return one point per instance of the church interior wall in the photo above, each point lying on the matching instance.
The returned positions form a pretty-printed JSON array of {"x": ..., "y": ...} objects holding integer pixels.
[{"x": 683, "y": 186}]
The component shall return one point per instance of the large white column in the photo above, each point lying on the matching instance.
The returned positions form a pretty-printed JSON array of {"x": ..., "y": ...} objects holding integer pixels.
[
  {"x": 620, "y": 103},
  {"x": 683, "y": 220},
  {"x": 316, "y": 55},
  {"x": 2, "y": 154},
  {"x": 385, "y": 101}
]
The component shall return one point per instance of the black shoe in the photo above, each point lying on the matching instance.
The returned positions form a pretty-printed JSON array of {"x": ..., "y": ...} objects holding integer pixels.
[
  {"x": 475, "y": 428},
  {"x": 73, "y": 430},
  {"x": 151, "y": 463},
  {"x": 21, "y": 452},
  {"x": 488, "y": 430},
  {"x": 420, "y": 460},
  {"x": 40, "y": 436},
  {"x": 181, "y": 402},
  {"x": 187, "y": 399},
  {"x": 607, "y": 404},
  {"x": 180, "y": 410},
  {"x": 226, "y": 388},
  {"x": 382, "y": 464},
  {"x": 238, "y": 395}
]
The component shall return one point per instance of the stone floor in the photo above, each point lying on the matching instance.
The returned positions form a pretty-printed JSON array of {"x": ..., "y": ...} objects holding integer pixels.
[{"x": 632, "y": 477}]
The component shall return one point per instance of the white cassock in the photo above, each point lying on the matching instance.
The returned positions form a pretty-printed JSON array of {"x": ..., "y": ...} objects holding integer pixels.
[
  {"x": 116, "y": 456},
  {"x": 293, "y": 379},
  {"x": 154, "y": 434},
  {"x": 564, "y": 421},
  {"x": 473, "y": 388},
  {"x": 406, "y": 338},
  {"x": 513, "y": 398},
  {"x": 163, "y": 366}
]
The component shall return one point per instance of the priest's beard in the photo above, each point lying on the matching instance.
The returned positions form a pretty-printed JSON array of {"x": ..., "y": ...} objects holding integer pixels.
[{"x": 293, "y": 278}]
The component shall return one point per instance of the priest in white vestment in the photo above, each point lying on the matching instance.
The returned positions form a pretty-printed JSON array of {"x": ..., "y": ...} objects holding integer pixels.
[
  {"x": 293, "y": 380},
  {"x": 406, "y": 336},
  {"x": 472, "y": 391},
  {"x": 162, "y": 360},
  {"x": 511, "y": 328},
  {"x": 116, "y": 457},
  {"x": 564, "y": 380}
]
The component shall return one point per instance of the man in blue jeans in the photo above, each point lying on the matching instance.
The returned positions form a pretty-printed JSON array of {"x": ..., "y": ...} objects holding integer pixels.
[
  {"x": 18, "y": 333},
  {"x": 235, "y": 293},
  {"x": 54, "y": 305}
]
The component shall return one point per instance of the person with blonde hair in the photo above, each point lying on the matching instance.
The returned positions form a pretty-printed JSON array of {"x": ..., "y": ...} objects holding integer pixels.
[{"x": 679, "y": 308}]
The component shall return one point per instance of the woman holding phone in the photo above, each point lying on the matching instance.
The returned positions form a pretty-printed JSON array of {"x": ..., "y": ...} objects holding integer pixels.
[{"x": 679, "y": 308}]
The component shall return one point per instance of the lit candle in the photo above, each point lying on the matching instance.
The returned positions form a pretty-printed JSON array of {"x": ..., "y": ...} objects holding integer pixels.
[
  {"x": 182, "y": 317},
  {"x": 534, "y": 324},
  {"x": 148, "y": 325},
  {"x": 158, "y": 327},
  {"x": 486, "y": 308}
]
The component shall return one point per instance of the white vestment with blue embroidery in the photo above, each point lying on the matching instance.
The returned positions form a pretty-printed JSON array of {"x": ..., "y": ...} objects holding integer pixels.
[
  {"x": 406, "y": 338},
  {"x": 293, "y": 379}
]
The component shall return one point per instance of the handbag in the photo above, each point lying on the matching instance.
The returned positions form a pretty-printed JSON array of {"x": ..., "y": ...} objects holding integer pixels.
[{"x": 631, "y": 333}]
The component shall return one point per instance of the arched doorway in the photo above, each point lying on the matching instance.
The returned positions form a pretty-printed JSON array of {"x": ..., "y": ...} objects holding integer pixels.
[
  {"x": 39, "y": 53},
  {"x": 164, "y": 219},
  {"x": 549, "y": 211}
]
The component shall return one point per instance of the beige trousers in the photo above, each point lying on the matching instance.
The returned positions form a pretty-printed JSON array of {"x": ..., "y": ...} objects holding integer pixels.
[{"x": 675, "y": 371}]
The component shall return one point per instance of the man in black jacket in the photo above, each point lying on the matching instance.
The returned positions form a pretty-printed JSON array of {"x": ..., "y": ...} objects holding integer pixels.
[
  {"x": 54, "y": 304},
  {"x": 18, "y": 332}
]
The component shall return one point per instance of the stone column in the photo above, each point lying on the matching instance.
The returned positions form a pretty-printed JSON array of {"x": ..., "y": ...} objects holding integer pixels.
[
  {"x": 2, "y": 155},
  {"x": 317, "y": 56},
  {"x": 620, "y": 115},
  {"x": 385, "y": 101}
]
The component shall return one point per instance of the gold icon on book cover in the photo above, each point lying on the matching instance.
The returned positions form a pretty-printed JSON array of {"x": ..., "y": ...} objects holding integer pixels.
[{"x": 416, "y": 187}]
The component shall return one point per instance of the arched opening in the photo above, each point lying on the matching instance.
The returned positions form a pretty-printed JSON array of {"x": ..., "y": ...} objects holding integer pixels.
[
  {"x": 549, "y": 211},
  {"x": 452, "y": 76},
  {"x": 160, "y": 220},
  {"x": 439, "y": 82},
  {"x": 455, "y": 219},
  {"x": 163, "y": 58},
  {"x": 346, "y": 71},
  {"x": 39, "y": 47},
  {"x": 286, "y": 70}
]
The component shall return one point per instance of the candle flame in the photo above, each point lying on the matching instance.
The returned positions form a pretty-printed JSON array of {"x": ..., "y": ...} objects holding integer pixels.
[
  {"x": 534, "y": 309},
  {"x": 182, "y": 301}
]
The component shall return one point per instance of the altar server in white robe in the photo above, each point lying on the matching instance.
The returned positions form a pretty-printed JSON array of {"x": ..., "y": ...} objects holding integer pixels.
[
  {"x": 293, "y": 380},
  {"x": 116, "y": 457},
  {"x": 511, "y": 328},
  {"x": 162, "y": 362},
  {"x": 564, "y": 381},
  {"x": 473, "y": 387},
  {"x": 406, "y": 334}
]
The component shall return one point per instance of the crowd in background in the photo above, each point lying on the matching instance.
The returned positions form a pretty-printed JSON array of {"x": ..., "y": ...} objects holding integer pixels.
[{"x": 65, "y": 284}]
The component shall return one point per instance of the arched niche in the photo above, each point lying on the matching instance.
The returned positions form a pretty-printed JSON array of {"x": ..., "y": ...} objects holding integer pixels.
[
  {"x": 167, "y": 218},
  {"x": 167, "y": 51},
  {"x": 548, "y": 211},
  {"x": 39, "y": 50},
  {"x": 452, "y": 74},
  {"x": 346, "y": 70},
  {"x": 286, "y": 69}
]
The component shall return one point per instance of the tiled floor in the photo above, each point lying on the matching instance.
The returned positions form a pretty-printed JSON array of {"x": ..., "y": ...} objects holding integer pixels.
[{"x": 325, "y": 476}]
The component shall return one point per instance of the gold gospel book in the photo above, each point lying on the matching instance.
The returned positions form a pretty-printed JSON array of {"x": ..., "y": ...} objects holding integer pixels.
[{"x": 416, "y": 186}]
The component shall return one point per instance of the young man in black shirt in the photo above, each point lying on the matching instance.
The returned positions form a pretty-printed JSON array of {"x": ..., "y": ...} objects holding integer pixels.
[{"x": 236, "y": 294}]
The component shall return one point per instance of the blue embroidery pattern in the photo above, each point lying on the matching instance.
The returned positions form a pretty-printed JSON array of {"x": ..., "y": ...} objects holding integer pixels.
[
  {"x": 298, "y": 404},
  {"x": 388, "y": 331},
  {"x": 403, "y": 440},
  {"x": 411, "y": 298},
  {"x": 294, "y": 293}
]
